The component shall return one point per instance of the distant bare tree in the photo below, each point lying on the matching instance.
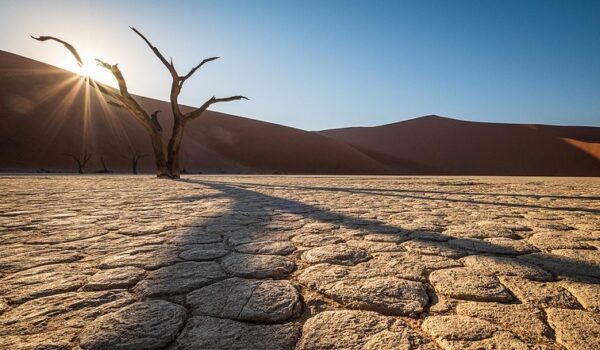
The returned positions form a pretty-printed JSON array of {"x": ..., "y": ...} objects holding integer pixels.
[
  {"x": 104, "y": 167},
  {"x": 134, "y": 158},
  {"x": 81, "y": 161},
  {"x": 167, "y": 161}
]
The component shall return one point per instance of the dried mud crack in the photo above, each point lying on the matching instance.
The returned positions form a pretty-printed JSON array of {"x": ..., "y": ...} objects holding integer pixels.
[{"x": 260, "y": 262}]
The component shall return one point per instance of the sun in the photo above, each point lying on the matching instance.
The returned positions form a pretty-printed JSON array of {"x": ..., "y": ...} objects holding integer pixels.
[{"x": 89, "y": 68}]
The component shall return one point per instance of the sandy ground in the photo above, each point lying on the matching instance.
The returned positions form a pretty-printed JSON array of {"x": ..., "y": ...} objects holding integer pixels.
[{"x": 258, "y": 262}]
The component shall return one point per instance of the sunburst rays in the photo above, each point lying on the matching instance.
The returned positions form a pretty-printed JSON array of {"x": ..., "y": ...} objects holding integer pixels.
[
  {"x": 81, "y": 96},
  {"x": 114, "y": 123},
  {"x": 78, "y": 95}
]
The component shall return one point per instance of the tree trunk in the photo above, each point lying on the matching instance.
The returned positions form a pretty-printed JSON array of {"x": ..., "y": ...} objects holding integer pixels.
[
  {"x": 104, "y": 167},
  {"x": 174, "y": 148},
  {"x": 159, "y": 156}
]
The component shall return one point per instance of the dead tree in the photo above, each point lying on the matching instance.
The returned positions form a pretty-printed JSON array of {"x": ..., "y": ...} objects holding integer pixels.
[
  {"x": 179, "y": 118},
  {"x": 81, "y": 161},
  {"x": 166, "y": 160},
  {"x": 104, "y": 167},
  {"x": 134, "y": 158}
]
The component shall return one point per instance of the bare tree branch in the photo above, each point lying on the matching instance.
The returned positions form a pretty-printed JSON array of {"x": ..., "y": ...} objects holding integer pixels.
[
  {"x": 155, "y": 122},
  {"x": 193, "y": 70},
  {"x": 176, "y": 82},
  {"x": 160, "y": 56},
  {"x": 86, "y": 158},
  {"x": 104, "y": 167},
  {"x": 197, "y": 112},
  {"x": 105, "y": 89},
  {"x": 134, "y": 154},
  {"x": 66, "y": 44},
  {"x": 116, "y": 72},
  {"x": 125, "y": 97},
  {"x": 115, "y": 104}
]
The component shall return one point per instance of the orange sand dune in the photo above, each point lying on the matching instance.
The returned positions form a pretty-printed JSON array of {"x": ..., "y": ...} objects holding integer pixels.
[
  {"x": 449, "y": 146},
  {"x": 46, "y": 112},
  {"x": 43, "y": 116}
]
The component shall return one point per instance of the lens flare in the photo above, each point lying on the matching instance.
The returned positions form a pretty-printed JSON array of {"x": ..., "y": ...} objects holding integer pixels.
[{"x": 90, "y": 68}]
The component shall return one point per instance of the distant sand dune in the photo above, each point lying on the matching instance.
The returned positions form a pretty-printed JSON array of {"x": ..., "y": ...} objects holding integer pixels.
[
  {"x": 43, "y": 116},
  {"x": 449, "y": 146}
]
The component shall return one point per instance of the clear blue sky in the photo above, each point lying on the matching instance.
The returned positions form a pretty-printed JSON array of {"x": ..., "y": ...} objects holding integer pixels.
[{"x": 326, "y": 64}]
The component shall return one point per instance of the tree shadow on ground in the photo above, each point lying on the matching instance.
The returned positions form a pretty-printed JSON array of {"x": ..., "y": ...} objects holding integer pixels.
[
  {"x": 407, "y": 194},
  {"x": 251, "y": 203},
  {"x": 200, "y": 254}
]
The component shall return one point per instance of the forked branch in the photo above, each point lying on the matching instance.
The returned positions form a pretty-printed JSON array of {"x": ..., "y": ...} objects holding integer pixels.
[{"x": 124, "y": 96}]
